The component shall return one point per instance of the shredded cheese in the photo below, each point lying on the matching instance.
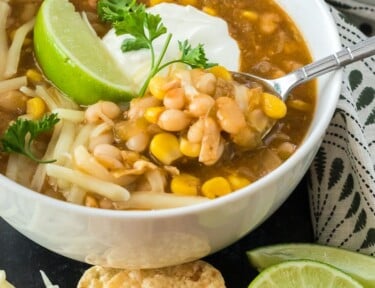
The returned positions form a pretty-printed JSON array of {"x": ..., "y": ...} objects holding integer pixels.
[
  {"x": 5, "y": 284},
  {"x": 46, "y": 281}
]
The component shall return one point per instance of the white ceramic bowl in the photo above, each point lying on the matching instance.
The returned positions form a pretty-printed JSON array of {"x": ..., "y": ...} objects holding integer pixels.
[{"x": 159, "y": 238}]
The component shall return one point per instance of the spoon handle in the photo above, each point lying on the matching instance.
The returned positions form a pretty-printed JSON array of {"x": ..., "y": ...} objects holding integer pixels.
[
  {"x": 340, "y": 59},
  {"x": 335, "y": 61}
]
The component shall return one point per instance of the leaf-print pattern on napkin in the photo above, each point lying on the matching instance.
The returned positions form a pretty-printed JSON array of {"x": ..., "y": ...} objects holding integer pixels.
[
  {"x": 342, "y": 176},
  {"x": 358, "y": 12},
  {"x": 365, "y": 97},
  {"x": 355, "y": 79},
  {"x": 371, "y": 118}
]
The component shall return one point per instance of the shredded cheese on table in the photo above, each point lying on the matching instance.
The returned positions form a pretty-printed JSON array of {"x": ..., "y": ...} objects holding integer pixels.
[
  {"x": 5, "y": 284},
  {"x": 46, "y": 281}
]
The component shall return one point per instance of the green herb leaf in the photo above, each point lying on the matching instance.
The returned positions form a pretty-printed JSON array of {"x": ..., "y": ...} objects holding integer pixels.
[
  {"x": 133, "y": 23},
  {"x": 128, "y": 17},
  {"x": 194, "y": 57},
  {"x": 114, "y": 10},
  {"x": 154, "y": 26},
  {"x": 18, "y": 138},
  {"x": 133, "y": 44}
]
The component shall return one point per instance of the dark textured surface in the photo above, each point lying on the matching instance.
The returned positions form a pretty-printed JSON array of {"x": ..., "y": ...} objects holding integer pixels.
[{"x": 22, "y": 259}]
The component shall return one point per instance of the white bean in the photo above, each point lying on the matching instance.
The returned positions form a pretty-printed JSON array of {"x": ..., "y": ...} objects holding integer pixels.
[
  {"x": 212, "y": 143},
  {"x": 139, "y": 142},
  {"x": 173, "y": 120},
  {"x": 201, "y": 105},
  {"x": 174, "y": 99},
  {"x": 229, "y": 114},
  {"x": 102, "y": 111},
  {"x": 195, "y": 132},
  {"x": 109, "y": 156},
  {"x": 206, "y": 83}
]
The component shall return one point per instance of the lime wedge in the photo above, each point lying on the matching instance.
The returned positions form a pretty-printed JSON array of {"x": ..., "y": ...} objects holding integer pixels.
[
  {"x": 74, "y": 59},
  {"x": 303, "y": 273},
  {"x": 360, "y": 267}
]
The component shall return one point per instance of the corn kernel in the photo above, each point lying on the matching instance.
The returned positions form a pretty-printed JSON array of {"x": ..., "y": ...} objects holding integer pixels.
[
  {"x": 209, "y": 11},
  {"x": 152, "y": 114},
  {"x": 36, "y": 107},
  {"x": 215, "y": 187},
  {"x": 34, "y": 75},
  {"x": 189, "y": 2},
  {"x": 250, "y": 15},
  {"x": 90, "y": 201},
  {"x": 185, "y": 184},
  {"x": 165, "y": 147},
  {"x": 299, "y": 105},
  {"x": 189, "y": 149},
  {"x": 156, "y": 87},
  {"x": 238, "y": 182},
  {"x": 221, "y": 72},
  {"x": 155, "y": 2},
  {"x": 273, "y": 106}
]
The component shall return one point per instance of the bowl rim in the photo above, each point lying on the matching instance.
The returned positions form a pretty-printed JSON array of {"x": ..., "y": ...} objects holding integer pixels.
[{"x": 314, "y": 139}]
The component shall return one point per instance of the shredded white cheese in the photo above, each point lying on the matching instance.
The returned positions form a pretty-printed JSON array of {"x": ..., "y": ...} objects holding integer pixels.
[
  {"x": 46, "y": 281},
  {"x": 5, "y": 284}
]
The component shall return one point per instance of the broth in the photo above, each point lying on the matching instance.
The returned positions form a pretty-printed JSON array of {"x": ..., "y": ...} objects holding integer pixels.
[{"x": 270, "y": 45}]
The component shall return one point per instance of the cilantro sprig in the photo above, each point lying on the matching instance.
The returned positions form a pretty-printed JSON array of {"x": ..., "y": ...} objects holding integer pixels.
[
  {"x": 18, "y": 138},
  {"x": 131, "y": 18}
]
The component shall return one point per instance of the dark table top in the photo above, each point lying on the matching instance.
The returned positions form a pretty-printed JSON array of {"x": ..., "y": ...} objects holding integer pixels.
[{"x": 22, "y": 259}]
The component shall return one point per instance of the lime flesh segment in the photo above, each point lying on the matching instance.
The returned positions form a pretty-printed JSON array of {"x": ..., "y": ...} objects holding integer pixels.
[
  {"x": 74, "y": 59},
  {"x": 360, "y": 267},
  {"x": 301, "y": 274}
]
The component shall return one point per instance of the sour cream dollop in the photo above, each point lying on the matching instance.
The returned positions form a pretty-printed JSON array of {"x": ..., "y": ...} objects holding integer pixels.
[{"x": 185, "y": 23}]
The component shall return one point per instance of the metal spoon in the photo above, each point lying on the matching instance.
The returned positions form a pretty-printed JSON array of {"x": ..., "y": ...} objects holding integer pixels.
[{"x": 283, "y": 85}]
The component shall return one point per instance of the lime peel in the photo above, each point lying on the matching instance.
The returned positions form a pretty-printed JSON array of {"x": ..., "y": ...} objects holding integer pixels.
[
  {"x": 303, "y": 273},
  {"x": 360, "y": 267},
  {"x": 74, "y": 59}
]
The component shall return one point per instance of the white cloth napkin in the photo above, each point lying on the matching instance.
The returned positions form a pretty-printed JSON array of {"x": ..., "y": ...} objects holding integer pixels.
[{"x": 342, "y": 176}]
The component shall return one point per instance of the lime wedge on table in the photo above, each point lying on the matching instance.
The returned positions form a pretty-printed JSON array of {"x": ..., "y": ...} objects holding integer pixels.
[
  {"x": 360, "y": 267},
  {"x": 303, "y": 273},
  {"x": 73, "y": 58}
]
